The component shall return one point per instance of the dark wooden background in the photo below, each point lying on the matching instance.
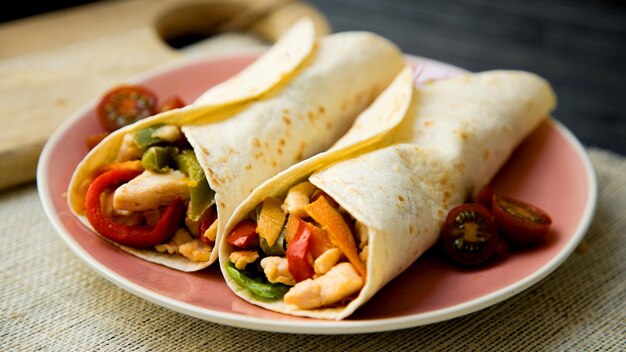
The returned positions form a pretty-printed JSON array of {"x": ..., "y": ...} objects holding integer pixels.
[{"x": 578, "y": 45}]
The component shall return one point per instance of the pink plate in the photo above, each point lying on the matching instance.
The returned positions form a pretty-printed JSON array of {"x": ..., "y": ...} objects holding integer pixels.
[{"x": 550, "y": 169}]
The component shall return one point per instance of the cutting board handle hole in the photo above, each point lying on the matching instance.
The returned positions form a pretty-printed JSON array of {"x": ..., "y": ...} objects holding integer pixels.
[{"x": 190, "y": 23}]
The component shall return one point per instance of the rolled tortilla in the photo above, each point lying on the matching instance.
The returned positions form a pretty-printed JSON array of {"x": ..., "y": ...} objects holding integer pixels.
[
  {"x": 293, "y": 102},
  {"x": 399, "y": 180}
]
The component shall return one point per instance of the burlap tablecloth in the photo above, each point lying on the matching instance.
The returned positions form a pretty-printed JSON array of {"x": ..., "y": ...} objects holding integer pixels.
[{"x": 50, "y": 300}]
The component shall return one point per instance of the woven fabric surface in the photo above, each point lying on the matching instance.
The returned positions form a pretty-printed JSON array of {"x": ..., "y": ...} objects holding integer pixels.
[{"x": 50, "y": 300}]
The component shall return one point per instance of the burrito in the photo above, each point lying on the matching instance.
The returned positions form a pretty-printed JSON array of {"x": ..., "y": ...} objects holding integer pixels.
[
  {"x": 322, "y": 237},
  {"x": 164, "y": 187}
]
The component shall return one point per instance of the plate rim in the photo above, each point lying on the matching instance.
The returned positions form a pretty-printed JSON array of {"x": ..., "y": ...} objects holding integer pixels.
[{"x": 313, "y": 326}]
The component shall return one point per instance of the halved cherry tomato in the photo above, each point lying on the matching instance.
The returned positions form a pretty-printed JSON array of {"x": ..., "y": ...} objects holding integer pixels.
[
  {"x": 244, "y": 235},
  {"x": 522, "y": 224},
  {"x": 125, "y": 105},
  {"x": 484, "y": 197},
  {"x": 470, "y": 234},
  {"x": 171, "y": 103},
  {"x": 94, "y": 139},
  {"x": 298, "y": 254}
]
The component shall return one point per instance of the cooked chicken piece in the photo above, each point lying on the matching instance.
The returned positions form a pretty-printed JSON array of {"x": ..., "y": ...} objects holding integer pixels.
[
  {"x": 196, "y": 251},
  {"x": 167, "y": 133},
  {"x": 211, "y": 232},
  {"x": 338, "y": 283},
  {"x": 129, "y": 149},
  {"x": 151, "y": 190},
  {"x": 277, "y": 270},
  {"x": 106, "y": 204},
  {"x": 362, "y": 234},
  {"x": 297, "y": 198},
  {"x": 327, "y": 260},
  {"x": 364, "y": 253},
  {"x": 242, "y": 258},
  {"x": 182, "y": 243},
  {"x": 180, "y": 237}
]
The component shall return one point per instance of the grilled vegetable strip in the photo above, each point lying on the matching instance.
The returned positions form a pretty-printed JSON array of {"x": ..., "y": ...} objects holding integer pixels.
[
  {"x": 134, "y": 236},
  {"x": 201, "y": 195},
  {"x": 338, "y": 231},
  {"x": 270, "y": 220}
]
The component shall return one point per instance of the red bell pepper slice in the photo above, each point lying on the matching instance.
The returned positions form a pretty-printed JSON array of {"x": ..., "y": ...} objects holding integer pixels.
[
  {"x": 244, "y": 235},
  {"x": 298, "y": 253},
  {"x": 208, "y": 218},
  {"x": 132, "y": 236}
]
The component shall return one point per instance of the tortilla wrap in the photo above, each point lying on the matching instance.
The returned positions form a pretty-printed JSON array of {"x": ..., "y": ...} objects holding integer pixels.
[
  {"x": 293, "y": 102},
  {"x": 399, "y": 180}
]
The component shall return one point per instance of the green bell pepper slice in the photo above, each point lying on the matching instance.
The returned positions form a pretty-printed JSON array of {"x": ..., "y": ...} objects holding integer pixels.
[
  {"x": 144, "y": 138},
  {"x": 158, "y": 159},
  {"x": 201, "y": 195}
]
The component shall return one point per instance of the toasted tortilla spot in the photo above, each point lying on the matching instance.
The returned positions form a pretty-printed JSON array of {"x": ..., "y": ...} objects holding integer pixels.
[
  {"x": 248, "y": 167},
  {"x": 321, "y": 109},
  {"x": 486, "y": 154},
  {"x": 444, "y": 179},
  {"x": 428, "y": 123},
  {"x": 400, "y": 198},
  {"x": 446, "y": 196},
  {"x": 216, "y": 182},
  {"x": 287, "y": 120},
  {"x": 281, "y": 141},
  {"x": 256, "y": 142}
]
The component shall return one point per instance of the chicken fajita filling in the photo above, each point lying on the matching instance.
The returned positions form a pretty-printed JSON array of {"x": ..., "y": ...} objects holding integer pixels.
[
  {"x": 155, "y": 196},
  {"x": 304, "y": 249}
]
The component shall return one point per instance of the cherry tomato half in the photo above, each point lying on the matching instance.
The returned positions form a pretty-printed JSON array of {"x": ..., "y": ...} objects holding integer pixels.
[
  {"x": 125, "y": 105},
  {"x": 94, "y": 139},
  {"x": 171, "y": 103},
  {"x": 522, "y": 224},
  {"x": 470, "y": 234},
  {"x": 484, "y": 197}
]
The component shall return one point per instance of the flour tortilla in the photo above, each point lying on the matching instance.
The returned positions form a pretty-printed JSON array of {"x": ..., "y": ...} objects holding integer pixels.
[
  {"x": 453, "y": 138},
  {"x": 295, "y": 101}
]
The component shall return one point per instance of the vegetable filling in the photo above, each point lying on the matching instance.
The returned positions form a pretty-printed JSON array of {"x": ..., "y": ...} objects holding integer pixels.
[
  {"x": 304, "y": 249},
  {"x": 155, "y": 195}
]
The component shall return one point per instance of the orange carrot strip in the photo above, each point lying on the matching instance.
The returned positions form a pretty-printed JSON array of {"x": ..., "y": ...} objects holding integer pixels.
[
  {"x": 121, "y": 165},
  {"x": 293, "y": 223},
  {"x": 338, "y": 230}
]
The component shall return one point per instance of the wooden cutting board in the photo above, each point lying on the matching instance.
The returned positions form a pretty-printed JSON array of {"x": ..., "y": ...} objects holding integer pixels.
[{"x": 51, "y": 65}]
